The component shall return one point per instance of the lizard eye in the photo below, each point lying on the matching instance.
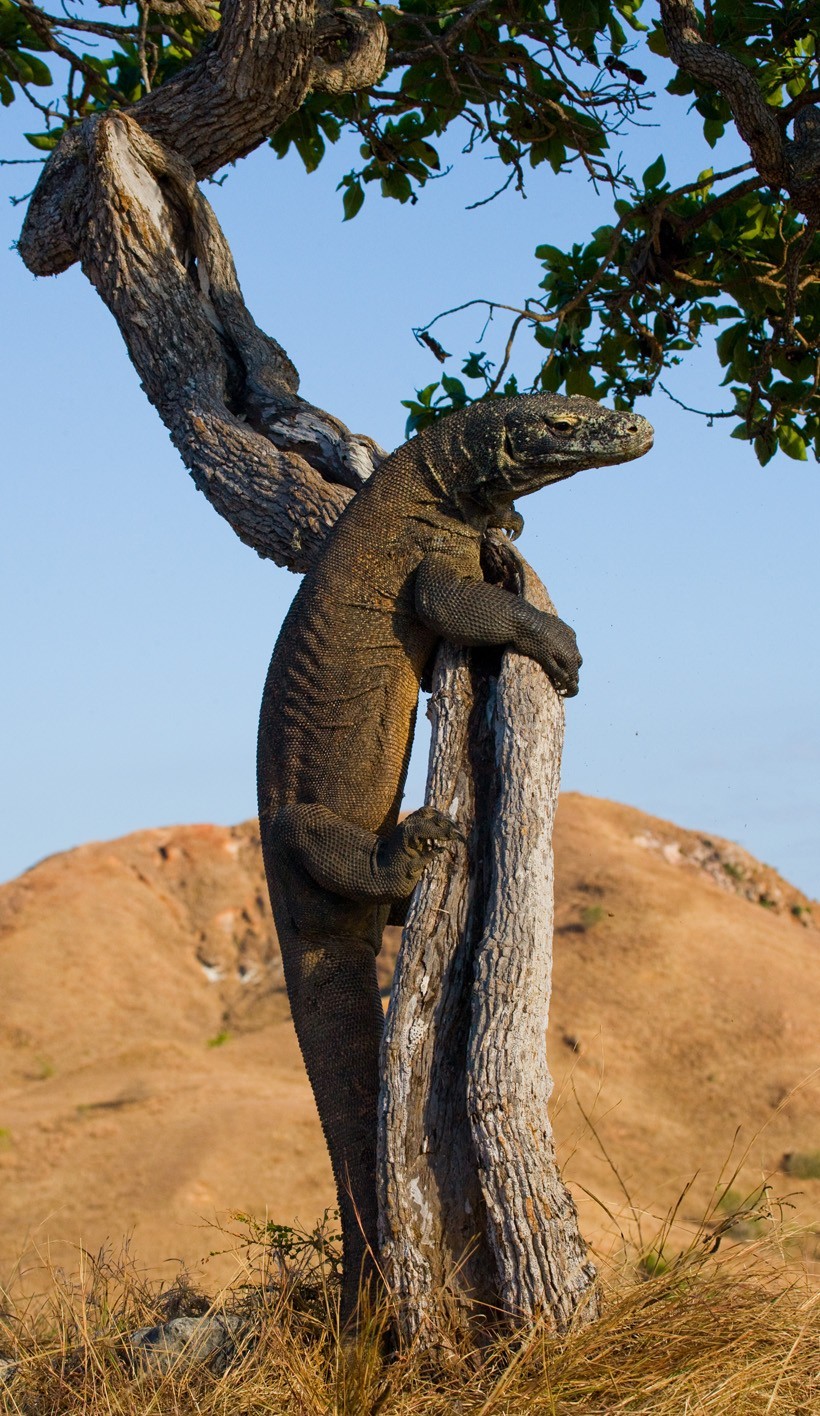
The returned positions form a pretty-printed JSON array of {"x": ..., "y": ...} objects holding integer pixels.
[{"x": 560, "y": 425}]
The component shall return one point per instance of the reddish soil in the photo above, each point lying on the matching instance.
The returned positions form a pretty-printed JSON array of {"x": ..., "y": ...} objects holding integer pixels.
[{"x": 151, "y": 1082}]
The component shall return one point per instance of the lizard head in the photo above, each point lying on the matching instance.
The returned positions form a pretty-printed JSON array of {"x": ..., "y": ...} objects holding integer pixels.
[
  {"x": 546, "y": 438},
  {"x": 506, "y": 448}
]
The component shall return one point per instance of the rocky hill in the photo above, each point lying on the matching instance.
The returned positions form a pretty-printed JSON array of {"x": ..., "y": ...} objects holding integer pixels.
[{"x": 151, "y": 1083}]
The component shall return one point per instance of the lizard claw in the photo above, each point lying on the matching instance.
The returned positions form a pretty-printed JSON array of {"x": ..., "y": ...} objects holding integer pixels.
[{"x": 429, "y": 829}]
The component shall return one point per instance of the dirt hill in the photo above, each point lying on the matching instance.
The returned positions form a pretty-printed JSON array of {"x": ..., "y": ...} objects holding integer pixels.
[{"x": 151, "y": 1080}]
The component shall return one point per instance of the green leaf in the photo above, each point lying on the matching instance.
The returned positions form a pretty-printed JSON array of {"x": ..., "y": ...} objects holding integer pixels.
[
  {"x": 551, "y": 377},
  {"x": 727, "y": 340},
  {"x": 792, "y": 443},
  {"x": 36, "y": 71},
  {"x": 656, "y": 41},
  {"x": 713, "y": 129},
  {"x": 474, "y": 367},
  {"x": 455, "y": 388},
  {"x": 655, "y": 173},
  {"x": 580, "y": 380},
  {"x": 330, "y": 126},
  {"x": 629, "y": 10},
  {"x": 352, "y": 200},
  {"x": 44, "y": 142},
  {"x": 397, "y": 184},
  {"x": 550, "y": 255},
  {"x": 601, "y": 239},
  {"x": 583, "y": 19}
]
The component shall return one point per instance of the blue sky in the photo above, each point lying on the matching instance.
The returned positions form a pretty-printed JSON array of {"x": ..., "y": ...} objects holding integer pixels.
[{"x": 136, "y": 629}]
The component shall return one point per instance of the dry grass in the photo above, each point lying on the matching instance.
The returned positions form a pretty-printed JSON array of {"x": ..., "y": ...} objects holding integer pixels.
[{"x": 684, "y": 1333}]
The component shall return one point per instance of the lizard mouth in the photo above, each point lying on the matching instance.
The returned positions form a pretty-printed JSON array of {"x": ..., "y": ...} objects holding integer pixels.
[{"x": 640, "y": 438}]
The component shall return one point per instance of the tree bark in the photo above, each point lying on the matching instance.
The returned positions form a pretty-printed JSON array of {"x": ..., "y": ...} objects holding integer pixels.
[
  {"x": 247, "y": 79},
  {"x": 476, "y": 1221},
  {"x": 279, "y": 470},
  {"x": 477, "y": 1226}
]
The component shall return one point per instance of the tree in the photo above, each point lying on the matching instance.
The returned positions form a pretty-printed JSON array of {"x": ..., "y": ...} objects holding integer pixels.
[{"x": 182, "y": 92}]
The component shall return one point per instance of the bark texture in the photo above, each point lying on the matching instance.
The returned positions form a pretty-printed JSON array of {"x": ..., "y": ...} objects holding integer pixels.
[
  {"x": 252, "y": 75},
  {"x": 532, "y": 1224},
  {"x": 476, "y": 1222},
  {"x": 279, "y": 470}
]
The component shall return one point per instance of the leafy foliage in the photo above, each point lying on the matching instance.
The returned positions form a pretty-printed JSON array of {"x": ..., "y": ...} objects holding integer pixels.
[
  {"x": 93, "y": 64},
  {"x": 731, "y": 262},
  {"x": 524, "y": 77},
  {"x": 719, "y": 258}
]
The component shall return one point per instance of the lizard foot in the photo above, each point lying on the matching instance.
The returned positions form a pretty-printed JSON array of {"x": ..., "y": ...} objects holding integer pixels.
[
  {"x": 428, "y": 828},
  {"x": 417, "y": 840}
]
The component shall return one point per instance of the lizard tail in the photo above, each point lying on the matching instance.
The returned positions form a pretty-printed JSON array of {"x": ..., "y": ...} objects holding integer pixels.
[{"x": 337, "y": 1012}]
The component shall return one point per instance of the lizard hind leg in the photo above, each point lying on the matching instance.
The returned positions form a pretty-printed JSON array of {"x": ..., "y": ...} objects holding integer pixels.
[
  {"x": 337, "y": 1010},
  {"x": 331, "y": 884}
]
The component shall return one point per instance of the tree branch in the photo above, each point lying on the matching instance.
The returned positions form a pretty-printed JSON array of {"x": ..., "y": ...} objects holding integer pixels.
[
  {"x": 279, "y": 470},
  {"x": 794, "y": 165},
  {"x": 242, "y": 85},
  {"x": 756, "y": 122}
]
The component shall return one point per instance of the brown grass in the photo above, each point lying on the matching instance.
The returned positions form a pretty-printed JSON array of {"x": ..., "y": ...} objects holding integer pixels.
[{"x": 698, "y": 1331}]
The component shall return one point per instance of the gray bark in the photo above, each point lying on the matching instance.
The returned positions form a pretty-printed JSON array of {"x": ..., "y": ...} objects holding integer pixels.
[
  {"x": 476, "y": 1222},
  {"x": 532, "y": 1224},
  {"x": 278, "y": 469},
  {"x": 475, "y": 1217}
]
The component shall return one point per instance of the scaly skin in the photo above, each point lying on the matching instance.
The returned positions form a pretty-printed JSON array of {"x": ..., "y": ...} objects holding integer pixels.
[{"x": 399, "y": 571}]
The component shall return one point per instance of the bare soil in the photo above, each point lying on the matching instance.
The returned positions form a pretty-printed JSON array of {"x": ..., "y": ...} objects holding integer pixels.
[{"x": 152, "y": 1085}]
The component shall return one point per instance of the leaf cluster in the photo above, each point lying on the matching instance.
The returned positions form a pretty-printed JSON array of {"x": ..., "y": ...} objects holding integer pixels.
[
  {"x": 533, "y": 83},
  {"x": 620, "y": 310},
  {"x": 775, "y": 39},
  {"x": 733, "y": 263},
  {"x": 93, "y": 63}
]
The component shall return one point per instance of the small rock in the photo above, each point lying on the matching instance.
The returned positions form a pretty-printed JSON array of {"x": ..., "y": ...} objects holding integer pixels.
[
  {"x": 8, "y": 1371},
  {"x": 187, "y": 1341}
]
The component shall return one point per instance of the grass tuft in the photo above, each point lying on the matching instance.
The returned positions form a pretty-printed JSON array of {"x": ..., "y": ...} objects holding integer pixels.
[
  {"x": 695, "y": 1331},
  {"x": 804, "y": 1165}
]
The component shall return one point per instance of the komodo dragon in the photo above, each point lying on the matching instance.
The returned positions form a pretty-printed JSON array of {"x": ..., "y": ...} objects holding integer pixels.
[{"x": 399, "y": 571}]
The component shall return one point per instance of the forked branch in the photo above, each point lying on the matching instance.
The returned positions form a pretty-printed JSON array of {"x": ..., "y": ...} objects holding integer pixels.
[{"x": 279, "y": 470}]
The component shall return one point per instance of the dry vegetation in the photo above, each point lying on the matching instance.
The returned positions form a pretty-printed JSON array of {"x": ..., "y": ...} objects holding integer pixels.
[{"x": 698, "y": 1331}]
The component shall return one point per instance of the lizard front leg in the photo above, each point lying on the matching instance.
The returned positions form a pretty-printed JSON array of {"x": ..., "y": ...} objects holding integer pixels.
[
  {"x": 347, "y": 860},
  {"x": 453, "y": 598}
]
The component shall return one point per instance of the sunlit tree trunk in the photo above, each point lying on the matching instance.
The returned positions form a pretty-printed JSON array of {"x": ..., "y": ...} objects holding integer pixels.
[{"x": 476, "y": 1222}]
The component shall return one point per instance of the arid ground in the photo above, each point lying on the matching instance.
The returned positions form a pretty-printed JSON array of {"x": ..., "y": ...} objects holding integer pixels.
[{"x": 151, "y": 1085}]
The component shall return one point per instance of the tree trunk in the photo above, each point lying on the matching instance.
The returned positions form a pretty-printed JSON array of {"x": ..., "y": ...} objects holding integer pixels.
[
  {"x": 476, "y": 1222},
  {"x": 477, "y": 1225}
]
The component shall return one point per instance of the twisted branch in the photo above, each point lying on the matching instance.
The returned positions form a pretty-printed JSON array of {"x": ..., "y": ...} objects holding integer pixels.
[
  {"x": 243, "y": 84},
  {"x": 793, "y": 166}
]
